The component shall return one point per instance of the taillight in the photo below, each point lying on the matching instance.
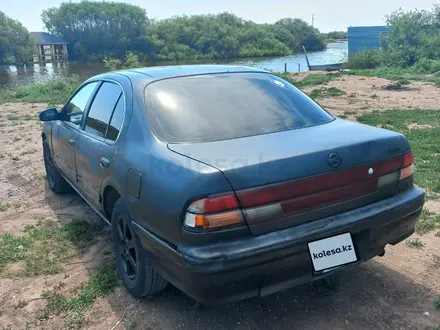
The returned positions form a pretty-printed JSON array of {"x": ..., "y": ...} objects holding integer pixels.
[
  {"x": 214, "y": 204},
  {"x": 214, "y": 212},
  {"x": 407, "y": 166},
  {"x": 280, "y": 200}
]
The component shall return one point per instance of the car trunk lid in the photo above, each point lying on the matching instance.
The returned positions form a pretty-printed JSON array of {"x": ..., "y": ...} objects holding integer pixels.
[{"x": 287, "y": 178}]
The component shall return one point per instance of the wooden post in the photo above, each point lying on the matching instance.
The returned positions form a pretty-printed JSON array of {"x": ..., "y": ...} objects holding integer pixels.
[
  {"x": 40, "y": 54},
  {"x": 307, "y": 58},
  {"x": 66, "y": 55},
  {"x": 285, "y": 67},
  {"x": 299, "y": 67},
  {"x": 52, "y": 53}
]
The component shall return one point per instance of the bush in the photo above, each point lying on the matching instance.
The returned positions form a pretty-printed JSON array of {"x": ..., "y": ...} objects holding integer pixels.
[
  {"x": 55, "y": 91},
  {"x": 403, "y": 82},
  {"x": 426, "y": 65},
  {"x": 131, "y": 61},
  {"x": 368, "y": 59}
]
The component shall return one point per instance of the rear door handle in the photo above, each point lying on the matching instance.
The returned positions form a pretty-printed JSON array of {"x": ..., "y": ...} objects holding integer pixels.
[
  {"x": 104, "y": 162},
  {"x": 71, "y": 142}
]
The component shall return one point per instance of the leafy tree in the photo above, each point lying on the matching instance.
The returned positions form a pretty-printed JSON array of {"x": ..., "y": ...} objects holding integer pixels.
[
  {"x": 15, "y": 41},
  {"x": 131, "y": 61},
  {"x": 336, "y": 35},
  {"x": 412, "y": 35},
  {"x": 96, "y": 29},
  {"x": 304, "y": 33}
]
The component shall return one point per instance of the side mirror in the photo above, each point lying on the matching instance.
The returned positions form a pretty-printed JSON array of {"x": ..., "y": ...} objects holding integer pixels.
[{"x": 50, "y": 114}]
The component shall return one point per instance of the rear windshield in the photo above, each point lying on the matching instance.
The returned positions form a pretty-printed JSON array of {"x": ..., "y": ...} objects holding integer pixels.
[{"x": 227, "y": 106}]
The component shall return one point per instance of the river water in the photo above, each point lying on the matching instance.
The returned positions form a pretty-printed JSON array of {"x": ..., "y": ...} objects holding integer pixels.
[{"x": 12, "y": 75}]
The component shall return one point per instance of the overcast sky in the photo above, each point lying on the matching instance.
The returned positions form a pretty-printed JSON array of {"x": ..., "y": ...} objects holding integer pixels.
[{"x": 329, "y": 14}]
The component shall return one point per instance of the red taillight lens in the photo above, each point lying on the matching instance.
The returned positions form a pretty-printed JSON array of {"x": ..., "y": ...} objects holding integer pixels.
[
  {"x": 214, "y": 212},
  {"x": 303, "y": 187},
  {"x": 214, "y": 204},
  {"x": 408, "y": 159},
  {"x": 407, "y": 167}
]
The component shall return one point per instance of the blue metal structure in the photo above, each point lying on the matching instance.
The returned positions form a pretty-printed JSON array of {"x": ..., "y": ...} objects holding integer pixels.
[{"x": 365, "y": 37}]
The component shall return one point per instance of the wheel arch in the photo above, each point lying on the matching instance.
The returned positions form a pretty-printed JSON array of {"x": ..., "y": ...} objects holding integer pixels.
[{"x": 109, "y": 197}]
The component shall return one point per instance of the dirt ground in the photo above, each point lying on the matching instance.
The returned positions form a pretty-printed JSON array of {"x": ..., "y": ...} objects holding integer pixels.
[
  {"x": 366, "y": 94},
  {"x": 396, "y": 291}
]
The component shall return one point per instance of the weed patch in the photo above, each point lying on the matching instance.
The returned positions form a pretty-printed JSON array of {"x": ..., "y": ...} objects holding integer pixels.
[
  {"x": 326, "y": 92},
  {"x": 428, "y": 222},
  {"x": 4, "y": 207},
  {"x": 41, "y": 249},
  {"x": 76, "y": 306},
  {"x": 415, "y": 243}
]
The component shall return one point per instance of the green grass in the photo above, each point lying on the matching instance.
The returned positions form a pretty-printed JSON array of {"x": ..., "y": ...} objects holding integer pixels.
[
  {"x": 415, "y": 243},
  {"x": 76, "y": 306},
  {"x": 311, "y": 79},
  {"x": 55, "y": 91},
  {"x": 396, "y": 74},
  {"x": 4, "y": 207},
  {"x": 42, "y": 249},
  {"x": 428, "y": 222},
  {"x": 424, "y": 142},
  {"x": 437, "y": 303},
  {"x": 403, "y": 82},
  {"x": 326, "y": 92}
]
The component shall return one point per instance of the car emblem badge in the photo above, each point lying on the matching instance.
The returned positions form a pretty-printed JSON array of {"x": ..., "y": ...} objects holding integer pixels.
[
  {"x": 334, "y": 160},
  {"x": 371, "y": 171}
]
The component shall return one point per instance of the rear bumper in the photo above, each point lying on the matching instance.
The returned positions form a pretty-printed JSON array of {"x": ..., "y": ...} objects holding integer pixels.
[{"x": 264, "y": 264}]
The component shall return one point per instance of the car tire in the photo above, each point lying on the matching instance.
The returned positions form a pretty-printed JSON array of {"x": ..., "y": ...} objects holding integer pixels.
[
  {"x": 134, "y": 265},
  {"x": 54, "y": 178}
]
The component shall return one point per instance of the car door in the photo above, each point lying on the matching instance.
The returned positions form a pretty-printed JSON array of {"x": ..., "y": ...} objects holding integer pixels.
[
  {"x": 96, "y": 145},
  {"x": 64, "y": 133}
]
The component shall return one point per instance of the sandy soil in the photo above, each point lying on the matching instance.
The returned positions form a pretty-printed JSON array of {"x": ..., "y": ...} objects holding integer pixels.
[
  {"x": 364, "y": 94},
  {"x": 392, "y": 292}
]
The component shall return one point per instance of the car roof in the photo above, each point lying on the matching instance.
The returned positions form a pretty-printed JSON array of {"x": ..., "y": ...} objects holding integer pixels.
[{"x": 149, "y": 74}]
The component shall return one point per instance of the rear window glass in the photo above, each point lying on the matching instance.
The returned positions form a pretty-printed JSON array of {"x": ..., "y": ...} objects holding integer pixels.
[{"x": 227, "y": 106}]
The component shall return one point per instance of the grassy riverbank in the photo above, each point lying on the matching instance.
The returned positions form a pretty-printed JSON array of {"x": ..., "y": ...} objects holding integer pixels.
[{"x": 54, "y": 91}]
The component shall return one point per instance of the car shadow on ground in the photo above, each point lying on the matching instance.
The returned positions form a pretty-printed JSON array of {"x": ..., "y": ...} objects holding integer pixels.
[{"x": 367, "y": 296}]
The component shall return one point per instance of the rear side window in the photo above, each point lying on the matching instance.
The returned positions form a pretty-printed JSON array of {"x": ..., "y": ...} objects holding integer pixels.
[
  {"x": 116, "y": 121},
  {"x": 227, "y": 106},
  {"x": 102, "y": 108}
]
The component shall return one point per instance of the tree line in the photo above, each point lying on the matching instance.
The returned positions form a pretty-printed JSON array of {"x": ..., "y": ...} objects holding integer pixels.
[{"x": 95, "y": 30}]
